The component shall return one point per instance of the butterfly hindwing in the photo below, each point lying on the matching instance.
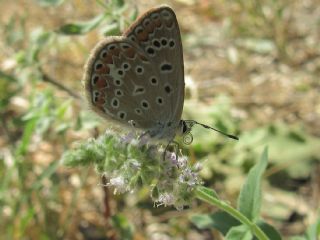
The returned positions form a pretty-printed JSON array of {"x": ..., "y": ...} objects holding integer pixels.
[{"x": 118, "y": 78}]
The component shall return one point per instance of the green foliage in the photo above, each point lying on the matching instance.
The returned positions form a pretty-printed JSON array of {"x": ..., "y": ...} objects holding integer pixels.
[
  {"x": 82, "y": 27},
  {"x": 222, "y": 221},
  {"x": 121, "y": 223},
  {"x": 130, "y": 164},
  {"x": 240, "y": 232},
  {"x": 49, "y": 3},
  {"x": 33, "y": 116},
  {"x": 111, "y": 22},
  {"x": 39, "y": 120},
  {"x": 244, "y": 222},
  {"x": 312, "y": 233},
  {"x": 249, "y": 202},
  {"x": 271, "y": 232},
  {"x": 260, "y": 26}
]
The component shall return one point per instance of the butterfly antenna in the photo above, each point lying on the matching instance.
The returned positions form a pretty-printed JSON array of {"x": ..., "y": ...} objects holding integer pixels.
[{"x": 192, "y": 122}]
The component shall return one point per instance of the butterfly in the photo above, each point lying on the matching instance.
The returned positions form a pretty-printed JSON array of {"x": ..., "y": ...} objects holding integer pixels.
[{"x": 137, "y": 79}]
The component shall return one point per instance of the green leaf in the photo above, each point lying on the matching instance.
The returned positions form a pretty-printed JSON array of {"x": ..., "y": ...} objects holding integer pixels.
[
  {"x": 239, "y": 233},
  {"x": 46, "y": 174},
  {"x": 249, "y": 201},
  {"x": 269, "y": 230},
  {"x": 111, "y": 29},
  {"x": 208, "y": 191},
  {"x": 134, "y": 14},
  {"x": 313, "y": 231},
  {"x": 221, "y": 221},
  {"x": 81, "y": 27},
  {"x": 121, "y": 223},
  {"x": 26, "y": 218},
  {"x": 61, "y": 110},
  {"x": 26, "y": 137},
  {"x": 49, "y": 3},
  {"x": 118, "y": 3}
]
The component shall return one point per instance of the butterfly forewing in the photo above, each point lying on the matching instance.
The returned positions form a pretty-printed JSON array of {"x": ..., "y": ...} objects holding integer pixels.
[
  {"x": 116, "y": 83},
  {"x": 157, "y": 34}
]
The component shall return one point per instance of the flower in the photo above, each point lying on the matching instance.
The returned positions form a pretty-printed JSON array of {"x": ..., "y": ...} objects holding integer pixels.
[
  {"x": 119, "y": 184},
  {"x": 130, "y": 165}
]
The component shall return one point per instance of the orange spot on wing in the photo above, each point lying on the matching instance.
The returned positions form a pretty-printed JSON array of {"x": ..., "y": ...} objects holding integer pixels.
[
  {"x": 108, "y": 59},
  {"x": 115, "y": 52},
  {"x": 101, "y": 83},
  {"x": 143, "y": 58},
  {"x": 130, "y": 53},
  {"x": 103, "y": 70},
  {"x": 143, "y": 36},
  {"x": 101, "y": 100},
  {"x": 150, "y": 28},
  {"x": 157, "y": 22},
  {"x": 169, "y": 23}
]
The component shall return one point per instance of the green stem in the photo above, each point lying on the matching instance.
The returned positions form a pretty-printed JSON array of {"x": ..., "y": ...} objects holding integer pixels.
[{"x": 232, "y": 211}]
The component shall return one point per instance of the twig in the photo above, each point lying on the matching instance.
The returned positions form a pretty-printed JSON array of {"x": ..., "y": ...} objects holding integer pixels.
[
  {"x": 106, "y": 199},
  {"x": 48, "y": 79}
]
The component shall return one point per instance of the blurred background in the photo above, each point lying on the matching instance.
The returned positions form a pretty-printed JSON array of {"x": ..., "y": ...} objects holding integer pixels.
[{"x": 251, "y": 69}]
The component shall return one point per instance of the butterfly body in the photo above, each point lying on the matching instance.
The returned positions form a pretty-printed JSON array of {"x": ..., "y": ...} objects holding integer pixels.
[{"x": 137, "y": 79}]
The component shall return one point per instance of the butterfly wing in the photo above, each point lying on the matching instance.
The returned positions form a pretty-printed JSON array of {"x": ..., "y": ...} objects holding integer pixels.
[
  {"x": 138, "y": 78},
  {"x": 117, "y": 79},
  {"x": 158, "y": 36}
]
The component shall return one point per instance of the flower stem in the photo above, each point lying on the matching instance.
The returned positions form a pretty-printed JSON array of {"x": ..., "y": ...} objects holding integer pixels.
[{"x": 205, "y": 196}]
